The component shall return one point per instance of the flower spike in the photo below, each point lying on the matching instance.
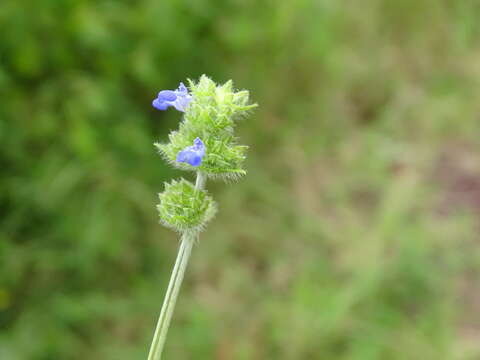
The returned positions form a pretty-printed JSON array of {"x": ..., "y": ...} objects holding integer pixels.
[{"x": 211, "y": 111}]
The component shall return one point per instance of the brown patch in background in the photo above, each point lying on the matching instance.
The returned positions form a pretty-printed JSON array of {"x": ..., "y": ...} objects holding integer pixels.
[{"x": 458, "y": 175}]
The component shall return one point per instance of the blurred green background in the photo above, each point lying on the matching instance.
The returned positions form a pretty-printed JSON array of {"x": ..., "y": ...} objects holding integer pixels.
[{"x": 355, "y": 234}]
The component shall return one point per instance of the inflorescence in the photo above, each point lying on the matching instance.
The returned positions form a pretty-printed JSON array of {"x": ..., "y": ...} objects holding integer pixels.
[{"x": 204, "y": 142}]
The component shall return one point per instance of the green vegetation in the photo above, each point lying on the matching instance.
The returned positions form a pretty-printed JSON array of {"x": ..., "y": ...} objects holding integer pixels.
[{"x": 353, "y": 236}]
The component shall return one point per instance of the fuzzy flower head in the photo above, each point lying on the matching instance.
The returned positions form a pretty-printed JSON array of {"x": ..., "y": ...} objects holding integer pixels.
[
  {"x": 179, "y": 99},
  {"x": 192, "y": 155},
  {"x": 212, "y": 114},
  {"x": 183, "y": 207}
]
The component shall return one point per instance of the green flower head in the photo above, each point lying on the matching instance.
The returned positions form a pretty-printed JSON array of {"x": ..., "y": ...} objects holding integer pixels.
[
  {"x": 184, "y": 208},
  {"x": 211, "y": 116}
]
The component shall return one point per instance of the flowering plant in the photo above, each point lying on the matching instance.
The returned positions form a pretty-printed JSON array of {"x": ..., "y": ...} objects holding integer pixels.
[{"x": 204, "y": 143}]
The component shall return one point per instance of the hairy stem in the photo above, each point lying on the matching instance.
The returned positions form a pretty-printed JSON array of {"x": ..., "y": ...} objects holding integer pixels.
[
  {"x": 201, "y": 179},
  {"x": 187, "y": 240}
]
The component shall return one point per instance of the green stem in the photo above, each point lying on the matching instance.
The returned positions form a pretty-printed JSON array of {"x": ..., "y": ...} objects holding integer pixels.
[
  {"x": 187, "y": 240},
  {"x": 201, "y": 179}
]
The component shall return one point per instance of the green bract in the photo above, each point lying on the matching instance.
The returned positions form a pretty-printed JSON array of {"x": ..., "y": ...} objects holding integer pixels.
[
  {"x": 211, "y": 116},
  {"x": 183, "y": 208}
]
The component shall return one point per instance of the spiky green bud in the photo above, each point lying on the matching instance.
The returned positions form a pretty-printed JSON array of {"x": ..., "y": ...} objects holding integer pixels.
[
  {"x": 211, "y": 116},
  {"x": 182, "y": 207}
]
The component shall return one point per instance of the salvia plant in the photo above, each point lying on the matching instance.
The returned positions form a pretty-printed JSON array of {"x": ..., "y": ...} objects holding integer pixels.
[{"x": 204, "y": 143}]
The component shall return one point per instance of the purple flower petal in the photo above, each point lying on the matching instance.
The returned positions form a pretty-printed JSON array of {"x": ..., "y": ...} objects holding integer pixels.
[
  {"x": 160, "y": 105},
  {"x": 167, "y": 95},
  {"x": 182, "y": 156},
  {"x": 192, "y": 155},
  {"x": 182, "y": 88},
  {"x": 179, "y": 99},
  {"x": 195, "y": 160}
]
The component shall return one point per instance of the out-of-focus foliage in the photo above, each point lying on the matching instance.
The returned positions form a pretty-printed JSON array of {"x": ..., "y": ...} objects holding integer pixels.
[{"x": 354, "y": 234}]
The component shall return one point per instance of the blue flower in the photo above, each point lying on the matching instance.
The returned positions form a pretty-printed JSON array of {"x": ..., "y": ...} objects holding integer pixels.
[
  {"x": 192, "y": 154},
  {"x": 179, "y": 99}
]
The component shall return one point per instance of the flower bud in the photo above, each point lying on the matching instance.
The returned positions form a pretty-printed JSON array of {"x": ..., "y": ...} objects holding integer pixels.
[{"x": 182, "y": 207}]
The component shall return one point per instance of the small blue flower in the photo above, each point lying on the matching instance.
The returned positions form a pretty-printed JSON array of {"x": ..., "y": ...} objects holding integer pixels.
[
  {"x": 192, "y": 154},
  {"x": 179, "y": 99}
]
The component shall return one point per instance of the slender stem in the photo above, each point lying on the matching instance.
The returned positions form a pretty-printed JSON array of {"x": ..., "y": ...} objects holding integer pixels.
[
  {"x": 201, "y": 179},
  {"x": 166, "y": 313},
  {"x": 187, "y": 240}
]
